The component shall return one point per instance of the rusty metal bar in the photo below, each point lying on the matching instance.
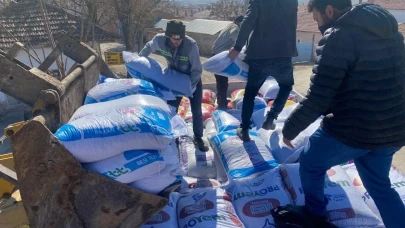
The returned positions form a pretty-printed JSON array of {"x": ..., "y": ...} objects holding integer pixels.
[{"x": 80, "y": 69}]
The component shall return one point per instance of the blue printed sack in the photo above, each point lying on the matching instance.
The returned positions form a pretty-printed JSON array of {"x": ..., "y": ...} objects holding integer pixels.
[
  {"x": 99, "y": 136},
  {"x": 119, "y": 88},
  {"x": 241, "y": 159}
]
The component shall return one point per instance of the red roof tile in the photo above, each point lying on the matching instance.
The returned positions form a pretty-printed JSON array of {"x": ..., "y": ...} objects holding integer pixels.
[
  {"x": 24, "y": 21},
  {"x": 306, "y": 22}
]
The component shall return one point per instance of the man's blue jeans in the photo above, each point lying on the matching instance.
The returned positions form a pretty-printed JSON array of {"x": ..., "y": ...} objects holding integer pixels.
[
  {"x": 259, "y": 70},
  {"x": 324, "y": 151}
]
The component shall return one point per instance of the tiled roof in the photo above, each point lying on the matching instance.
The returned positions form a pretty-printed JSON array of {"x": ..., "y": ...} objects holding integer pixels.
[
  {"x": 390, "y": 4},
  {"x": 24, "y": 21},
  {"x": 401, "y": 28},
  {"x": 306, "y": 22}
]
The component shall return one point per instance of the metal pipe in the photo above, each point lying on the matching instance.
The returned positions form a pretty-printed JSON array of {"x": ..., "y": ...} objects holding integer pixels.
[{"x": 80, "y": 69}]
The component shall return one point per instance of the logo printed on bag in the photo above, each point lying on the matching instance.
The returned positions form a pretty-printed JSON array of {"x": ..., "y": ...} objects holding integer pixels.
[
  {"x": 268, "y": 224},
  {"x": 357, "y": 182},
  {"x": 255, "y": 184},
  {"x": 131, "y": 110},
  {"x": 260, "y": 207},
  {"x": 261, "y": 192},
  {"x": 204, "y": 218},
  {"x": 199, "y": 196},
  {"x": 117, "y": 172},
  {"x": 202, "y": 184},
  {"x": 202, "y": 206},
  {"x": 341, "y": 214},
  {"x": 337, "y": 197},
  {"x": 159, "y": 218},
  {"x": 331, "y": 172}
]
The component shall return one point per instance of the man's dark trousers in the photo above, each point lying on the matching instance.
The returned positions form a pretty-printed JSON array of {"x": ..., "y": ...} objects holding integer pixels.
[
  {"x": 195, "y": 103},
  {"x": 279, "y": 68},
  {"x": 222, "y": 90}
]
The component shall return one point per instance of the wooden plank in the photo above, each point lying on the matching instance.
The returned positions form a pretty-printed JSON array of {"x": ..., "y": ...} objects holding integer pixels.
[{"x": 13, "y": 52}]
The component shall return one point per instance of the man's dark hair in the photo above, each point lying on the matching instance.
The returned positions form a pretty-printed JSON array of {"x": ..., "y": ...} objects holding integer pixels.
[{"x": 320, "y": 5}]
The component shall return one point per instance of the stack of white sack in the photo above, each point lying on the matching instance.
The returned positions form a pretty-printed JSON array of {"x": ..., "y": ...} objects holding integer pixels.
[
  {"x": 346, "y": 208},
  {"x": 127, "y": 139},
  {"x": 204, "y": 208},
  {"x": 221, "y": 64},
  {"x": 113, "y": 89},
  {"x": 102, "y": 130},
  {"x": 195, "y": 163},
  {"x": 241, "y": 160},
  {"x": 166, "y": 218},
  {"x": 254, "y": 198},
  {"x": 397, "y": 183},
  {"x": 151, "y": 70}
]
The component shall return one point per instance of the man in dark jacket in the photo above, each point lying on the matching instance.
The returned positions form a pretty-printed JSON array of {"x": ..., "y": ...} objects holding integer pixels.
[
  {"x": 182, "y": 54},
  {"x": 358, "y": 83},
  {"x": 224, "y": 42},
  {"x": 269, "y": 51}
]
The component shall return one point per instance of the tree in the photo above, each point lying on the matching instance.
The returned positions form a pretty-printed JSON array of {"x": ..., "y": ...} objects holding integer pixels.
[
  {"x": 135, "y": 16},
  {"x": 92, "y": 12},
  {"x": 227, "y": 9}
]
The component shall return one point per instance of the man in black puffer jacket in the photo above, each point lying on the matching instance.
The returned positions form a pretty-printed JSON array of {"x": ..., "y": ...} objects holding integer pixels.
[{"x": 358, "y": 83}]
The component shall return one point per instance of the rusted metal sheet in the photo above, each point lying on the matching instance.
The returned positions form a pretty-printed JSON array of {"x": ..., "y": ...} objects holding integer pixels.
[{"x": 58, "y": 192}]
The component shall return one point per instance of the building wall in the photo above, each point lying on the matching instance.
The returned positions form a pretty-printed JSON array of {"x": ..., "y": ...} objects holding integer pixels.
[
  {"x": 399, "y": 15},
  {"x": 204, "y": 42},
  {"x": 306, "y": 37}
]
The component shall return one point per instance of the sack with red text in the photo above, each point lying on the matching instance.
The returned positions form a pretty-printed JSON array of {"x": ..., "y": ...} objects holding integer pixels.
[
  {"x": 397, "y": 183},
  {"x": 255, "y": 198},
  {"x": 346, "y": 208},
  {"x": 189, "y": 184},
  {"x": 166, "y": 218},
  {"x": 208, "y": 97},
  {"x": 205, "y": 208}
]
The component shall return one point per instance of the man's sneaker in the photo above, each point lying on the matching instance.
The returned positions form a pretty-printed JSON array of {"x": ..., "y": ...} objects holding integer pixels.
[
  {"x": 269, "y": 122},
  {"x": 243, "y": 134},
  {"x": 201, "y": 145}
]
